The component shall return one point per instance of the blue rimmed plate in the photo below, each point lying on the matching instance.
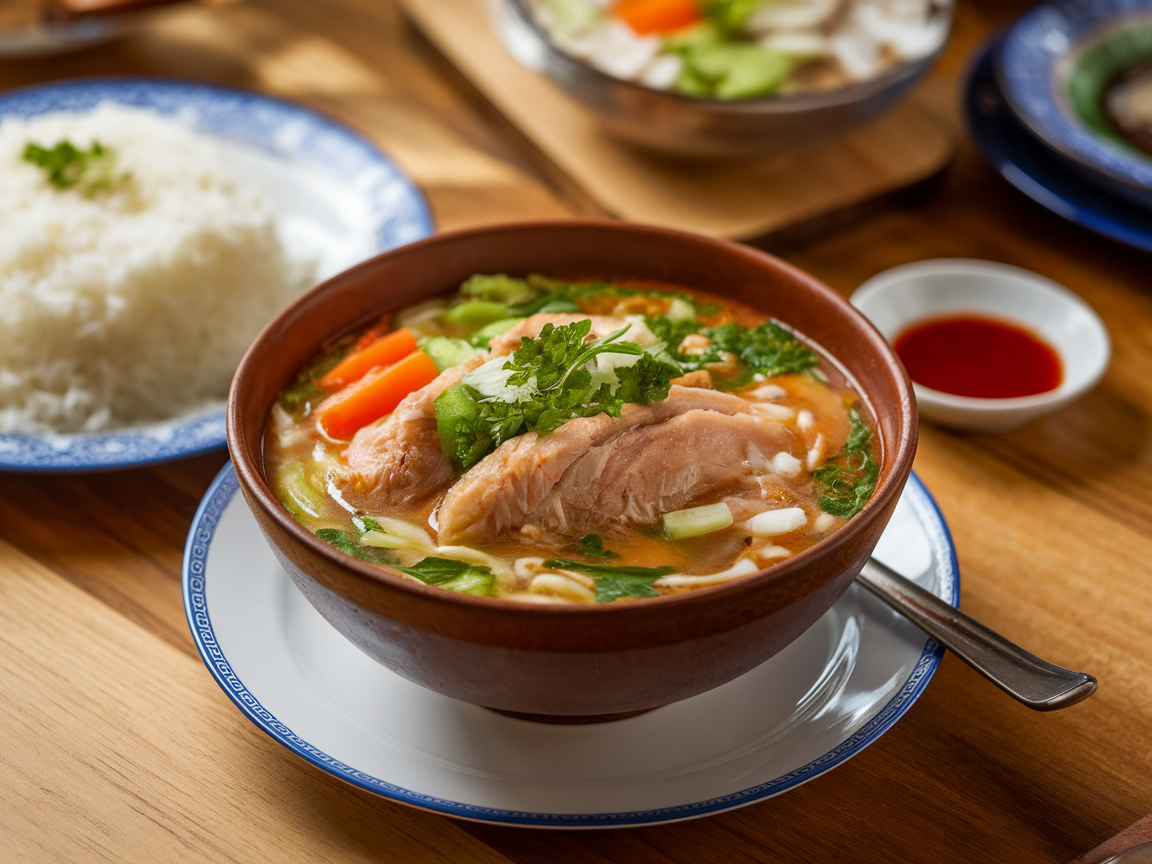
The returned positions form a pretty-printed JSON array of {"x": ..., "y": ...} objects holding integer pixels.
[
  {"x": 826, "y": 697},
  {"x": 337, "y": 198},
  {"x": 1036, "y": 67},
  {"x": 1031, "y": 167}
]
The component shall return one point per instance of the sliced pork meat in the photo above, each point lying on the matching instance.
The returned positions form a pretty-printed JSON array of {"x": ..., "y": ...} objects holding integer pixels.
[
  {"x": 639, "y": 476},
  {"x": 505, "y": 488},
  {"x": 399, "y": 459}
]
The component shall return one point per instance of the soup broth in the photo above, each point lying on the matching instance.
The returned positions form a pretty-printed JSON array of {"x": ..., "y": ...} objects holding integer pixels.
[{"x": 549, "y": 441}]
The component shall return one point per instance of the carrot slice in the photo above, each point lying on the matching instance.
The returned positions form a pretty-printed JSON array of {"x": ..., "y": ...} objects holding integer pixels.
[
  {"x": 657, "y": 16},
  {"x": 382, "y": 326},
  {"x": 376, "y": 394},
  {"x": 382, "y": 352}
]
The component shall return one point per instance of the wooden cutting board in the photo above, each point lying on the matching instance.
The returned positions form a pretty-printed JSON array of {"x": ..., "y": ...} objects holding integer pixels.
[{"x": 742, "y": 200}]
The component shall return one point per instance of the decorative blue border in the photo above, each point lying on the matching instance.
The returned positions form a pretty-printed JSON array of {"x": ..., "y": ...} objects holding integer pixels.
[
  {"x": 196, "y": 607},
  {"x": 397, "y": 209},
  {"x": 1028, "y": 165},
  {"x": 1030, "y": 71}
]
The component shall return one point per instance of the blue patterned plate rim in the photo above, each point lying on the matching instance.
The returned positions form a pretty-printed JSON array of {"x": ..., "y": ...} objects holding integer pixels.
[
  {"x": 398, "y": 212},
  {"x": 1028, "y": 70},
  {"x": 1027, "y": 164},
  {"x": 200, "y": 535}
]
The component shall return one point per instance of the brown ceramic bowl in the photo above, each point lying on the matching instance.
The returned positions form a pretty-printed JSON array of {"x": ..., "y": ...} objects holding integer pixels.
[{"x": 571, "y": 663}]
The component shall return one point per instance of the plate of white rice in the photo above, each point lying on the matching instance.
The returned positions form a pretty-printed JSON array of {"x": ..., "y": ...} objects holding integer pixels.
[{"x": 129, "y": 293}]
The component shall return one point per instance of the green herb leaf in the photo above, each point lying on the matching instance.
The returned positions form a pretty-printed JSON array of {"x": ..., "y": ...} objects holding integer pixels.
[
  {"x": 671, "y": 333},
  {"x": 615, "y": 583},
  {"x": 846, "y": 481},
  {"x": 592, "y": 546},
  {"x": 767, "y": 350},
  {"x": 344, "y": 542},
  {"x": 497, "y": 288},
  {"x": 66, "y": 166},
  {"x": 453, "y": 575},
  {"x": 550, "y": 370}
]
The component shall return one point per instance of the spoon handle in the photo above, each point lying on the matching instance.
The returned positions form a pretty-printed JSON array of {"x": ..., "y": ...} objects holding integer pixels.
[{"x": 1023, "y": 676}]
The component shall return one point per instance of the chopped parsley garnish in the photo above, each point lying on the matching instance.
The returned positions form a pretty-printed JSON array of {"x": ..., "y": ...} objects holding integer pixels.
[
  {"x": 67, "y": 166},
  {"x": 453, "y": 575},
  {"x": 767, "y": 350},
  {"x": 592, "y": 546},
  {"x": 847, "y": 480},
  {"x": 615, "y": 583},
  {"x": 548, "y": 386}
]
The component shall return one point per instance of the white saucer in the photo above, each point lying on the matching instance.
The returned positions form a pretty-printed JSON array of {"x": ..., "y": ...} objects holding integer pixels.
[{"x": 819, "y": 702}]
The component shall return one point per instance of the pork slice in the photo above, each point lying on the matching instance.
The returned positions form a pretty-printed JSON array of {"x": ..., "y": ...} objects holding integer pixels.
[
  {"x": 503, "y": 488},
  {"x": 399, "y": 460},
  {"x": 637, "y": 477}
]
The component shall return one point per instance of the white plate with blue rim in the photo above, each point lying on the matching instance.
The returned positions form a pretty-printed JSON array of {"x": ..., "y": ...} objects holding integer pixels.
[
  {"x": 819, "y": 702},
  {"x": 337, "y": 198}
]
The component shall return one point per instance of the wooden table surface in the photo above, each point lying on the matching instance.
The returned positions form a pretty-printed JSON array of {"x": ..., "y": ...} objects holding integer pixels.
[{"x": 118, "y": 745}]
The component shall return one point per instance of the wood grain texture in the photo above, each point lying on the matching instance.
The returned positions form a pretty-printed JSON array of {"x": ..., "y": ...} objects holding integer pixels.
[
  {"x": 119, "y": 746},
  {"x": 746, "y": 199},
  {"x": 166, "y": 769}
]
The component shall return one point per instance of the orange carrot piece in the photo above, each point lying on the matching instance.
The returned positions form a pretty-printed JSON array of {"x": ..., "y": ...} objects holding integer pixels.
[
  {"x": 382, "y": 326},
  {"x": 657, "y": 16},
  {"x": 376, "y": 394},
  {"x": 382, "y": 352}
]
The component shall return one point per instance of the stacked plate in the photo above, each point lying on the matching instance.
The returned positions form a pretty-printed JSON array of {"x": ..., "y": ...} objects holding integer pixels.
[{"x": 1062, "y": 106}]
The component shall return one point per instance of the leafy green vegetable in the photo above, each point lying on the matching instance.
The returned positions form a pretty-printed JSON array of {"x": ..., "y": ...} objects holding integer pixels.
[
  {"x": 592, "y": 546},
  {"x": 67, "y": 165},
  {"x": 729, "y": 15},
  {"x": 476, "y": 313},
  {"x": 496, "y": 289},
  {"x": 485, "y": 334},
  {"x": 712, "y": 65},
  {"x": 616, "y": 583},
  {"x": 671, "y": 333},
  {"x": 847, "y": 480},
  {"x": 296, "y": 492},
  {"x": 551, "y": 386},
  {"x": 768, "y": 349},
  {"x": 447, "y": 352},
  {"x": 364, "y": 524},
  {"x": 453, "y": 575},
  {"x": 344, "y": 542},
  {"x": 304, "y": 391}
]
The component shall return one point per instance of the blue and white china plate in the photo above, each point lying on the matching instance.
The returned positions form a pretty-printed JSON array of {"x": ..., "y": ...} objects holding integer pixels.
[
  {"x": 1028, "y": 164},
  {"x": 338, "y": 198},
  {"x": 1033, "y": 67},
  {"x": 818, "y": 703}
]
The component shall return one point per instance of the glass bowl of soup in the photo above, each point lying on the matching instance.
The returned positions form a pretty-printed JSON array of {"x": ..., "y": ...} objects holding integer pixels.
[{"x": 572, "y": 470}]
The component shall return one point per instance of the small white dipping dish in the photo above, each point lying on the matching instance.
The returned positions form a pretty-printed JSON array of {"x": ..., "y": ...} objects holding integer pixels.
[{"x": 907, "y": 295}]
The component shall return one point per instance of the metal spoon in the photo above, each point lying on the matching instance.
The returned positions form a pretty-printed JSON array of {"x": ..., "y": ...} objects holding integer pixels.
[{"x": 1023, "y": 676}]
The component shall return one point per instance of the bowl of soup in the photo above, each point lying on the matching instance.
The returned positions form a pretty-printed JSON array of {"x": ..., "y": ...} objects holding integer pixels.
[
  {"x": 572, "y": 470},
  {"x": 724, "y": 79}
]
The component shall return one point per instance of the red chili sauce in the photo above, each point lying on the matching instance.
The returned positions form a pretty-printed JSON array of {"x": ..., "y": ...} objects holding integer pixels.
[{"x": 967, "y": 355}]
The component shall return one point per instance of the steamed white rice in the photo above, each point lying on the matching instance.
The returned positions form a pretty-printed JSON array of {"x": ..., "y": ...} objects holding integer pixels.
[{"x": 138, "y": 303}]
